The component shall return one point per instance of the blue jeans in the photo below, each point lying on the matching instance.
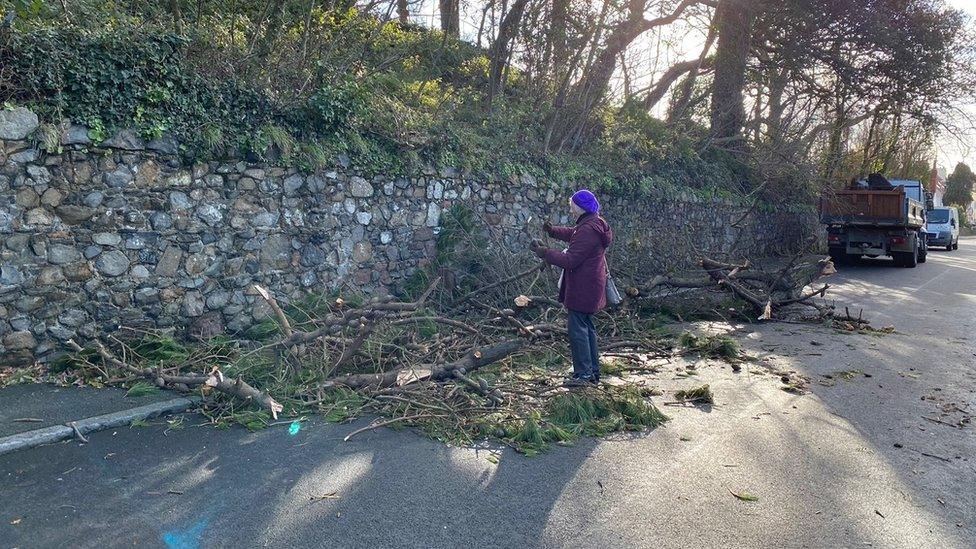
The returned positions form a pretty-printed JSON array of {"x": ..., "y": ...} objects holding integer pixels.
[{"x": 582, "y": 343}]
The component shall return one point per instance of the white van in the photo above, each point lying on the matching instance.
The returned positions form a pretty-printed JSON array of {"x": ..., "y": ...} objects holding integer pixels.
[{"x": 942, "y": 228}]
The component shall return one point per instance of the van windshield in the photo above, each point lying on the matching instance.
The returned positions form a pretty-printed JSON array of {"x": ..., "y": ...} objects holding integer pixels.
[{"x": 939, "y": 216}]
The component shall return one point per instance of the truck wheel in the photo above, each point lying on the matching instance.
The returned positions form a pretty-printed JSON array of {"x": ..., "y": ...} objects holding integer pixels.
[
  {"x": 911, "y": 260},
  {"x": 905, "y": 259},
  {"x": 839, "y": 258}
]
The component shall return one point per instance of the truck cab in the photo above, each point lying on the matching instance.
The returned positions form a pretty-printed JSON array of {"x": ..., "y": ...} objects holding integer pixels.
[{"x": 942, "y": 228}]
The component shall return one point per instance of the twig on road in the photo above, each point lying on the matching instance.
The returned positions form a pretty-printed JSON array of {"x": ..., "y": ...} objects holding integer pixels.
[
  {"x": 78, "y": 435},
  {"x": 377, "y": 425},
  {"x": 933, "y": 420}
]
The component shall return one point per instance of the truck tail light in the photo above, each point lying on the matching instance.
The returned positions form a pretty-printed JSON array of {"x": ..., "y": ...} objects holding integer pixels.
[
  {"x": 833, "y": 238},
  {"x": 898, "y": 240}
]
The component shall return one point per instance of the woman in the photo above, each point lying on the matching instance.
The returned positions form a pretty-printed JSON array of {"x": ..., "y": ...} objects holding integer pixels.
[{"x": 583, "y": 285}]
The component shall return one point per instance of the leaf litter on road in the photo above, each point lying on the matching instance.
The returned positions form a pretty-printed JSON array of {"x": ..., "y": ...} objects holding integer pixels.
[{"x": 744, "y": 496}]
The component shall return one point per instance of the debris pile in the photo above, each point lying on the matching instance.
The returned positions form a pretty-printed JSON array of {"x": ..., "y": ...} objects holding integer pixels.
[
  {"x": 770, "y": 294},
  {"x": 477, "y": 352}
]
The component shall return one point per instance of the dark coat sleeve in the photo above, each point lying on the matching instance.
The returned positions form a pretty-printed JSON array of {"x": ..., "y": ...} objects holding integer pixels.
[
  {"x": 582, "y": 245},
  {"x": 561, "y": 233}
]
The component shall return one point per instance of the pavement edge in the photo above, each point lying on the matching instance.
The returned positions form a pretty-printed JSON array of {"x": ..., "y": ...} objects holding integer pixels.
[{"x": 57, "y": 433}]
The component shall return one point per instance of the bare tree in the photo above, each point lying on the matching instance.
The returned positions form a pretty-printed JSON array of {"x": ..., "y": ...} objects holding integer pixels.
[{"x": 592, "y": 87}]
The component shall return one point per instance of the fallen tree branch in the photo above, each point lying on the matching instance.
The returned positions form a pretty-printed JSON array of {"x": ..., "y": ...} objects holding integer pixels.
[
  {"x": 77, "y": 432},
  {"x": 273, "y": 303},
  {"x": 538, "y": 267},
  {"x": 481, "y": 387},
  {"x": 394, "y": 378},
  {"x": 438, "y": 319},
  {"x": 480, "y": 357},
  {"x": 365, "y": 329},
  {"x": 765, "y": 292},
  {"x": 808, "y": 295},
  {"x": 234, "y": 387},
  {"x": 333, "y": 324}
]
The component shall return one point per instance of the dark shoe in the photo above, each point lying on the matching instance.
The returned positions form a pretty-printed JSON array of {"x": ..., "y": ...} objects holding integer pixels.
[{"x": 577, "y": 381}]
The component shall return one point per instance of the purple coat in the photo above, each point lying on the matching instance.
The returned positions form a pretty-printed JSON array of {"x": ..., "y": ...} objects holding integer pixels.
[{"x": 584, "y": 263}]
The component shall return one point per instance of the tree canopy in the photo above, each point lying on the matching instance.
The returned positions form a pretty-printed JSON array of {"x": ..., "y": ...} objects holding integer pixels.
[
  {"x": 959, "y": 186},
  {"x": 779, "y": 97}
]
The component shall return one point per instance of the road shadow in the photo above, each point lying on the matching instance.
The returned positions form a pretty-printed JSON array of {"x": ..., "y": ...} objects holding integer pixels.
[
  {"x": 218, "y": 488},
  {"x": 898, "y": 383},
  {"x": 204, "y": 487}
]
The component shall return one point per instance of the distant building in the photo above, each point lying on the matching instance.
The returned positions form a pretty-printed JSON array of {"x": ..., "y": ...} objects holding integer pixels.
[
  {"x": 971, "y": 211},
  {"x": 937, "y": 185}
]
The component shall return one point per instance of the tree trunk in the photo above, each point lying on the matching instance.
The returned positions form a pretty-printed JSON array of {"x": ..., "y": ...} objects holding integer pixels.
[
  {"x": 403, "y": 14},
  {"x": 757, "y": 115},
  {"x": 869, "y": 144},
  {"x": 894, "y": 144},
  {"x": 307, "y": 31},
  {"x": 450, "y": 17},
  {"x": 593, "y": 86},
  {"x": 174, "y": 8},
  {"x": 557, "y": 38},
  {"x": 734, "y": 24},
  {"x": 271, "y": 29},
  {"x": 774, "y": 120},
  {"x": 500, "y": 49},
  {"x": 676, "y": 71},
  {"x": 556, "y": 125},
  {"x": 835, "y": 141},
  {"x": 625, "y": 72}
]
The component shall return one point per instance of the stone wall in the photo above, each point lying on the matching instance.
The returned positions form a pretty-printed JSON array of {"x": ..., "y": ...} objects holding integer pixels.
[{"x": 124, "y": 233}]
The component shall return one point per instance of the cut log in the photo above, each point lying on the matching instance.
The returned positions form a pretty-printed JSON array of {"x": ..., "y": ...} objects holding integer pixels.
[
  {"x": 470, "y": 362},
  {"x": 480, "y": 357}
]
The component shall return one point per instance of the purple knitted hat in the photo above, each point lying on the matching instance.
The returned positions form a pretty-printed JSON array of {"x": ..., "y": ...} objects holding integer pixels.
[{"x": 585, "y": 200}]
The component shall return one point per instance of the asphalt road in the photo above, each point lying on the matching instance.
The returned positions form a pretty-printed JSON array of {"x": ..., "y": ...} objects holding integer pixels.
[
  {"x": 52, "y": 405},
  {"x": 852, "y": 464}
]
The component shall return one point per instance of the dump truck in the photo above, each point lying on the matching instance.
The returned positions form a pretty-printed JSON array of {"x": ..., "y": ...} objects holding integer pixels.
[{"x": 863, "y": 221}]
